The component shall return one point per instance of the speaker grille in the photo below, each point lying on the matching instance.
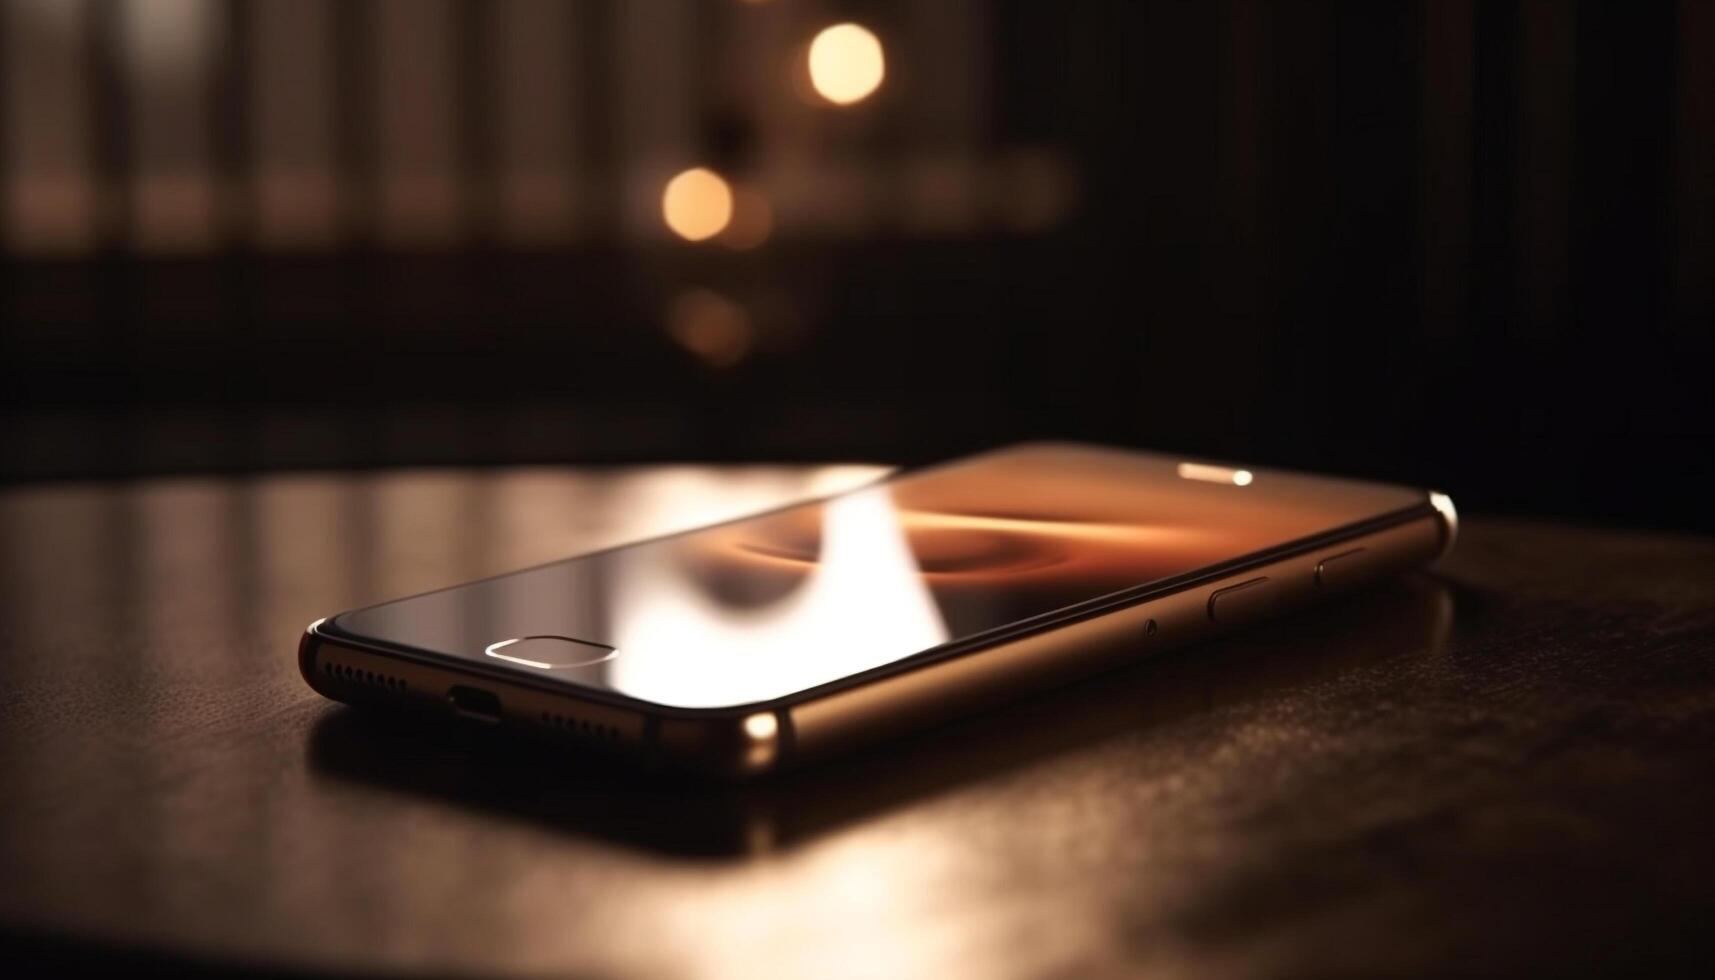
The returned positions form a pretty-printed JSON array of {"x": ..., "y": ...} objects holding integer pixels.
[
  {"x": 364, "y": 678},
  {"x": 579, "y": 727}
]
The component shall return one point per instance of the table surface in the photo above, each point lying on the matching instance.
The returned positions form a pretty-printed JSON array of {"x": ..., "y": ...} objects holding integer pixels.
[{"x": 1508, "y": 762}]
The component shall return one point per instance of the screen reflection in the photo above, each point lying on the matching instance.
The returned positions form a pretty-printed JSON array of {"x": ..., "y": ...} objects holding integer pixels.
[{"x": 766, "y": 607}]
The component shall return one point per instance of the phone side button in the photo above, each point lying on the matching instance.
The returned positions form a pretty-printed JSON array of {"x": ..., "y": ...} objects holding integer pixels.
[
  {"x": 1238, "y": 603},
  {"x": 1341, "y": 569}
]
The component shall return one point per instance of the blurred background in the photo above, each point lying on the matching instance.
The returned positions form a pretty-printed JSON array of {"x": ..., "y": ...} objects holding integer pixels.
[{"x": 1454, "y": 243}]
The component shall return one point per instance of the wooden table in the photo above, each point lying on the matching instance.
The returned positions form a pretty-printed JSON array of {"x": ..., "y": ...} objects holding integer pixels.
[{"x": 1509, "y": 763}]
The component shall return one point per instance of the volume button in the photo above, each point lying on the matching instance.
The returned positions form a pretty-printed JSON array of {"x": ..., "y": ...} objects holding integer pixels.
[
  {"x": 1341, "y": 569},
  {"x": 1237, "y": 603}
]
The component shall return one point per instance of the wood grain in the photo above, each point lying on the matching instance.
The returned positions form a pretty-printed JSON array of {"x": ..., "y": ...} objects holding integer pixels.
[{"x": 1503, "y": 765}]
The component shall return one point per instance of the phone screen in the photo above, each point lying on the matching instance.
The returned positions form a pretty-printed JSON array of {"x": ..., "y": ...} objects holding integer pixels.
[{"x": 768, "y": 606}]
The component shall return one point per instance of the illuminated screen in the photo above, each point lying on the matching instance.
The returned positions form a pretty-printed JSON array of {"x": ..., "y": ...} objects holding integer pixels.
[{"x": 771, "y": 605}]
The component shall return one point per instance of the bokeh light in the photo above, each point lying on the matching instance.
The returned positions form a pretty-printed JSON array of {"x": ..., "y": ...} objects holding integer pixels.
[
  {"x": 752, "y": 219},
  {"x": 697, "y": 204},
  {"x": 714, "y": 328},
  {"x": 846, "y": 64}
]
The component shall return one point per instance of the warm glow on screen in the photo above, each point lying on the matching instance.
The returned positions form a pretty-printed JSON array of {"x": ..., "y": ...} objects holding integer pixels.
[{"x": 765, "y": 607}]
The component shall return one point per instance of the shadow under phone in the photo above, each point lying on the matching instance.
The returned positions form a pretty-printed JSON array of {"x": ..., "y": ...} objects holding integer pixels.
[{"x": 486, "y": 770}]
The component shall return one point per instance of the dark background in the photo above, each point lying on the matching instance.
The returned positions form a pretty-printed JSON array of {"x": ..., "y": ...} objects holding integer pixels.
[{"x": 1470, "y": 245}]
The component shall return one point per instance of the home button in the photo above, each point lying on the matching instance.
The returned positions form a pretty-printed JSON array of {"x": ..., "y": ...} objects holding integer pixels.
[{"x": 549, "y": 652}]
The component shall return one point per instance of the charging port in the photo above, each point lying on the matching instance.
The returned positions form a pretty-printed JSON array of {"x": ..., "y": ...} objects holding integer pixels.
[{"x": 474, "y": 702}]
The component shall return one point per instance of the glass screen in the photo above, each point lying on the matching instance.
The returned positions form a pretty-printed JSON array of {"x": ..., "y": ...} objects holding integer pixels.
[{"x": 771, "y": 605}]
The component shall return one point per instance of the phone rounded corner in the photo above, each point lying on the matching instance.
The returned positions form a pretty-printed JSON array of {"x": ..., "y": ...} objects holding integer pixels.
[
  {"x": 1448, "y": 517},
  {"x": 729, "y": 746},
  {"x": 309, "y": 646}
]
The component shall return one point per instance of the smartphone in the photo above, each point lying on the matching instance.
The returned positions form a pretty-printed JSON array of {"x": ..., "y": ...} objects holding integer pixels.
[{"x": 789, "y": 636}]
